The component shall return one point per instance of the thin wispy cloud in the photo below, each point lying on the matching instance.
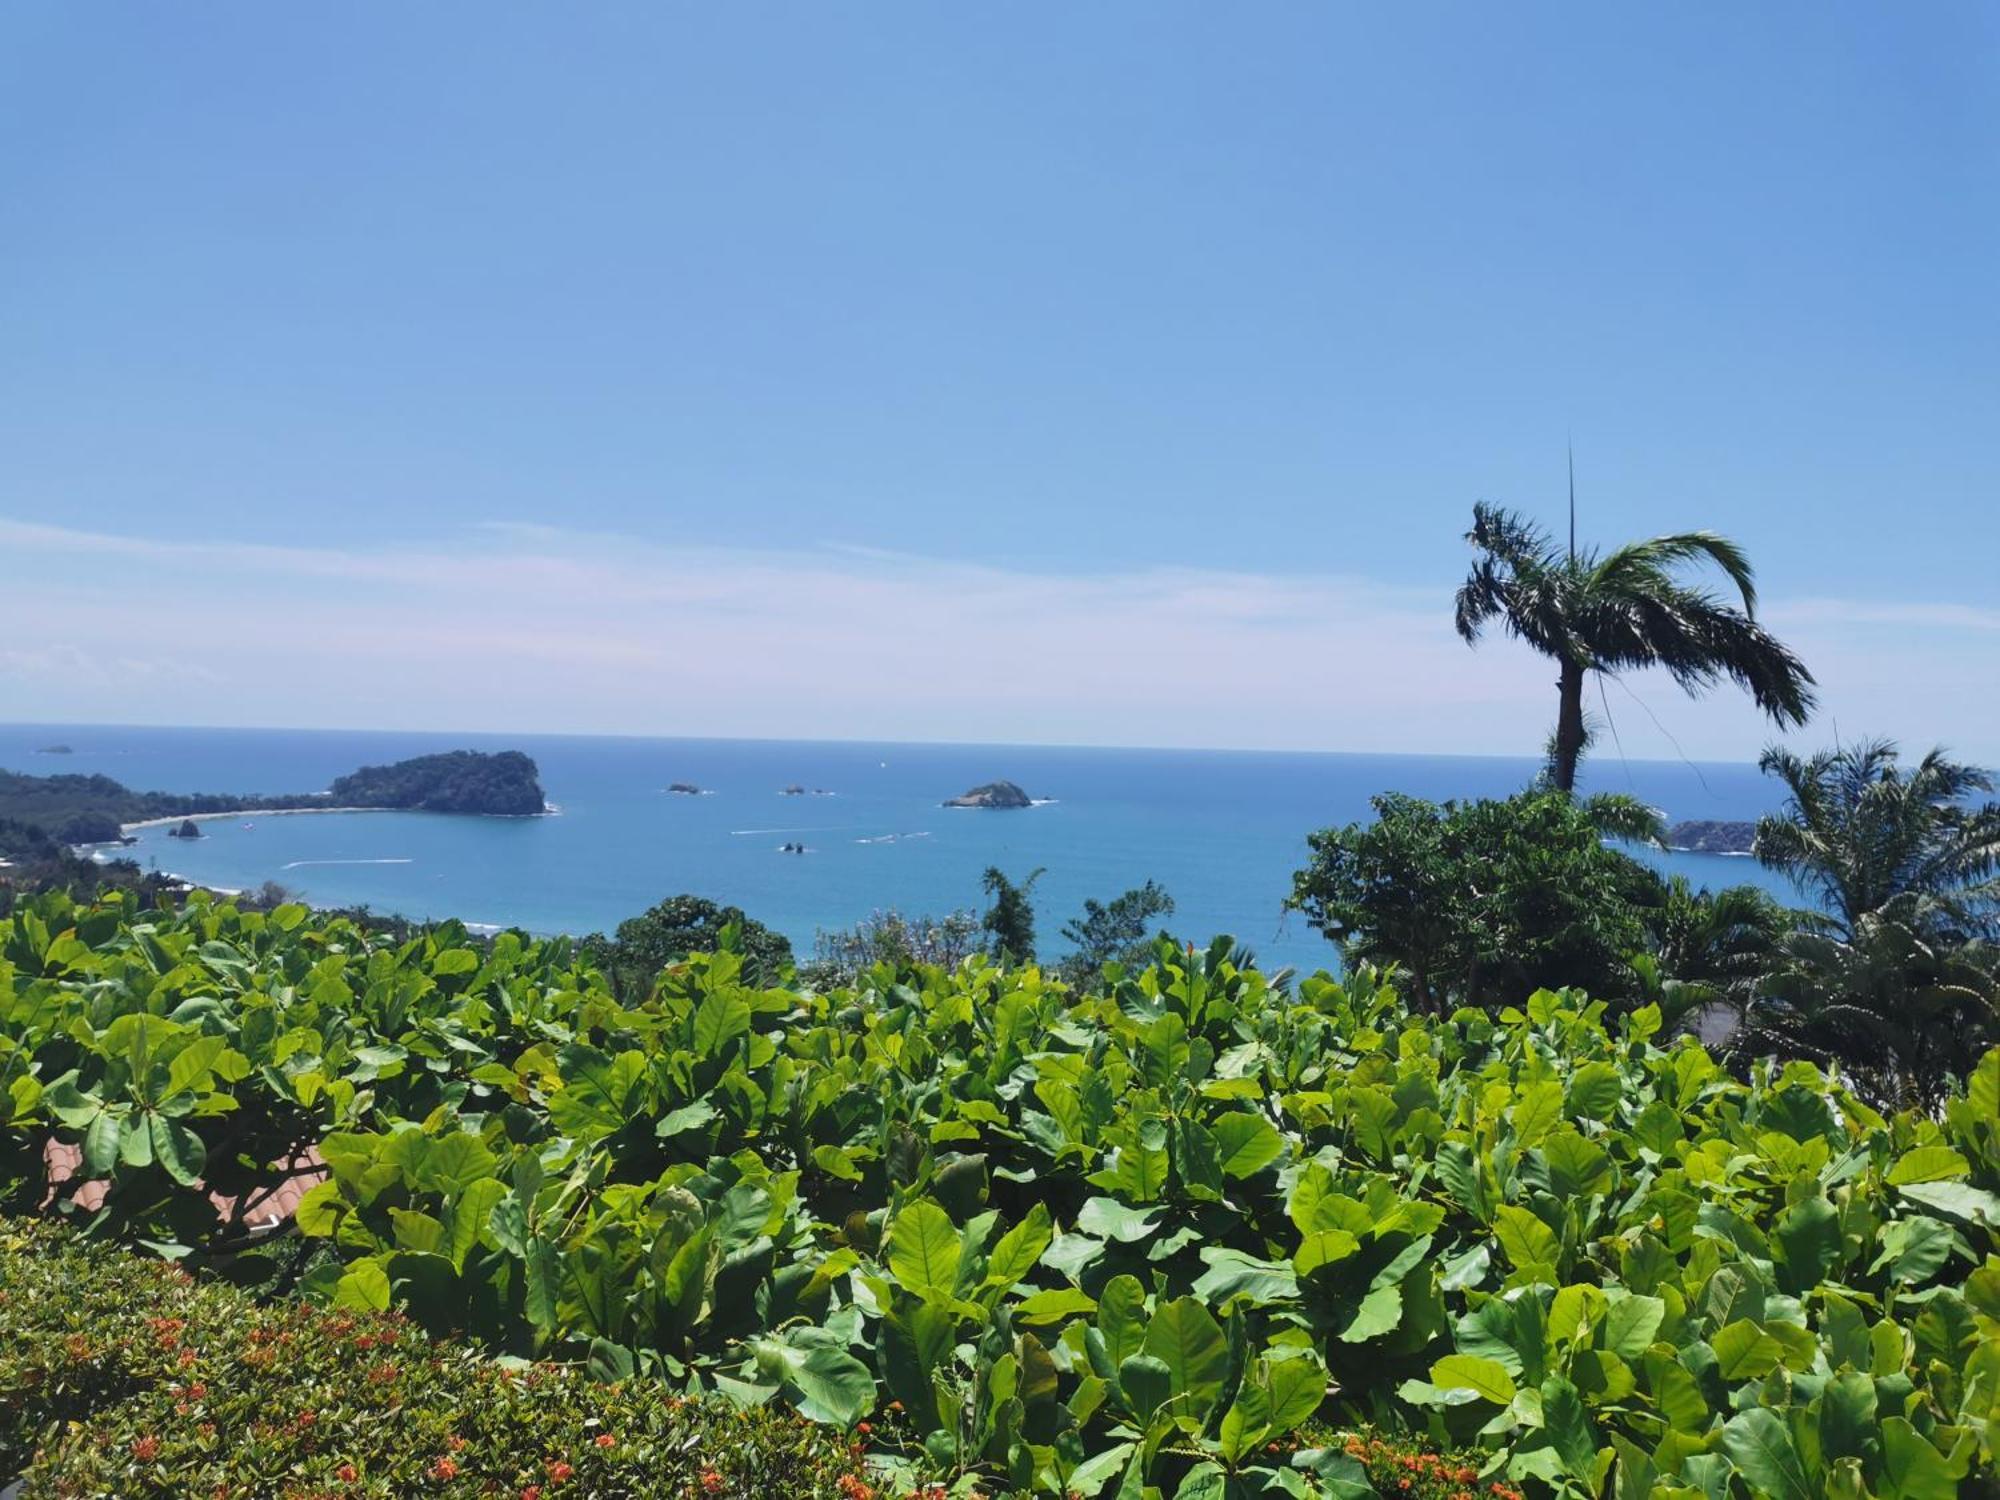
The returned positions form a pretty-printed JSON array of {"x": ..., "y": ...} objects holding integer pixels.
[{"x": 520, "y": 627}]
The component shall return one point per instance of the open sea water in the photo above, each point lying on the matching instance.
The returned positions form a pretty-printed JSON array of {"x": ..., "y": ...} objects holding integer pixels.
[{"x": 1222, "y": 830}]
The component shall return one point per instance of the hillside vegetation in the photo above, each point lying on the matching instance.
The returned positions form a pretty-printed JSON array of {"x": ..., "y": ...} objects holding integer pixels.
[
  {"x": 458, "y": 781},
  {"x": 1172, "y": 1233},
  {"x": 92, "y": 809}
]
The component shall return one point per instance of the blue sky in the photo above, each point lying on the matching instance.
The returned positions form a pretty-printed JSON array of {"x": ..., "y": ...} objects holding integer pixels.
[{"x": 789, "y": 363}]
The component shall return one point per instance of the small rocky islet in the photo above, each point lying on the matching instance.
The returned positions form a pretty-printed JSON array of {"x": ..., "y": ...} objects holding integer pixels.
[
  {"x": 1712, "y": 836},
  {"x": 994, "y": 794}
]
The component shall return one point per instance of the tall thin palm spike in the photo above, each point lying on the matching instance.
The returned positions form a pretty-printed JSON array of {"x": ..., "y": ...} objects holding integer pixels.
[{"x": 1572, "y": 502}]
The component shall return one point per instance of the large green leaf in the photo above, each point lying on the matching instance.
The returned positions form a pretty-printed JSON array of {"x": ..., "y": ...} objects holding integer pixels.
[
  {"x": 1020, "y": 1248},
  {"x": 1761, "y": 1447},
  {"x": 1529, "y": 1243},
  {"x": 1247, "y": 1143},
  {"x": 1630, "y": 1323},
  {"x": 722, "y": 1016},
  {"x": 1568, "y": 1427},
  {"x": 1121, "y": 1317},
  {"x": 1808, "y": 1239},
  {"x": 1847, "y": 1423},
  {"x": 1928, "y": 1164},
  {"x": 924, "y": 1251},
  {"x": 1185, "y": 1338},
  {"x": 833, "y": 1386},
  {"x": 1745, "y": 1351},
  {"x": 365, "y": 1286},
  {"x": 177, "y": 1149},
  {"x": 1486, "y": 1376},
  {"x": 1911, "y": 1468}
]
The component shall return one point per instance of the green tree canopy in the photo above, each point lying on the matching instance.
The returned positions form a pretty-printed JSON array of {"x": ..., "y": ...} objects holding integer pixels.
[
  {"x": 681, "y": 925},
  {"x": 1483, "y": 902},
  {"x": 1010, "y": 921},
  {"x": 1115, "y": 931}
]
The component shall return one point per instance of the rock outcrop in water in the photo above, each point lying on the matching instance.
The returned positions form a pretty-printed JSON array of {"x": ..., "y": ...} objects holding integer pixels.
[
  {"x": 1705, "y": 837},
  {"x": 1002, "y": 794},
  {"x": 459, "y": 781}
]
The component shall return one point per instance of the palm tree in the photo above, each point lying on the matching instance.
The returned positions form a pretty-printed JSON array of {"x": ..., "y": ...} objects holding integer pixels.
[
  {"x": 1623, "y": 610},
  {"x": 1897, "y": 978},
  {"x": 1708, "y": 952},
  {"x": 1858, "y": 831}
]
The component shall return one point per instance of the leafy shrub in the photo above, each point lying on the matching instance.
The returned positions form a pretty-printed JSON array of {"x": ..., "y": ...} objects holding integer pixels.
[
  {"x": 676, "y": 927},
  {"x": 125, "y": 1377},
  {"x": 1114, "y": 931},
  {"x": 1484, "y": 902},
  {"x": 1120, "y": 1240}
]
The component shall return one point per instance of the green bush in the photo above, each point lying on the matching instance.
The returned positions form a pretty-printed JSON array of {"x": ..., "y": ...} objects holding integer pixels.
[
  {"x": 1126, "y": 1240},
  {"x": 124, "y": 1377}
]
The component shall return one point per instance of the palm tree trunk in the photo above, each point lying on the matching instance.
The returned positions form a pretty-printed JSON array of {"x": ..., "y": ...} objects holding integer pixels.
[{"x": 1569, "y": 727}]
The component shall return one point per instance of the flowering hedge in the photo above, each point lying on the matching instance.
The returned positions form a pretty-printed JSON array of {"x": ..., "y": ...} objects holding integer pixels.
[{"x": 122, "y": 1376}]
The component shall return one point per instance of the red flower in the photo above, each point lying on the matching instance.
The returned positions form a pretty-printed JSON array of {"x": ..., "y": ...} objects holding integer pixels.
[
  {"x": 711, "y": 1481},
  {"x": 146, "y": 1449},
  {"x": 347, "y": 1473},
  {"x": 855, "y": 1488},
  {"x": 531, "y": 1492},
  {"x": 444, "y": 1468},
  {"x": 559, "y": 1471},
  {"x": 605, "y": 1440}
]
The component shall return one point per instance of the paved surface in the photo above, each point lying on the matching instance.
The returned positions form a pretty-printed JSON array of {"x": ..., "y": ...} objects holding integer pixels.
[{"x": 300, "y": 1174}]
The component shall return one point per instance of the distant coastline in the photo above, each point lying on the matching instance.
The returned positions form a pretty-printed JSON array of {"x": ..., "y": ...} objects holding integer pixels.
[
  {"x": 270, "y": 812},
  {"x": 86, "y": 810},
  {"x": 1223, "y": 831}
]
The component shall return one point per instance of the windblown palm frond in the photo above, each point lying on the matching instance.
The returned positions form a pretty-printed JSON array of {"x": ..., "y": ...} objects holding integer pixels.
[
  {"x": 1624, "y": 611},
  {"x": 1618, "y": 816}
]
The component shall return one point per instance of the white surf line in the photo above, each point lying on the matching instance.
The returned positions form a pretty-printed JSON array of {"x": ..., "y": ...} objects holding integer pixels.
[
  {"x": 299, "y": 864},
  {"x": 249, "y": 812}
]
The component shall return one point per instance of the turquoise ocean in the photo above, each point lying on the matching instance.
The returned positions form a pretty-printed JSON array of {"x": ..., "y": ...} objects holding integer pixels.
[{"x": 1222, "y": 830}]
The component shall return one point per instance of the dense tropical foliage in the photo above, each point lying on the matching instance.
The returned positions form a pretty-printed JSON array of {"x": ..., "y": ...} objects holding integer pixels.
[
  {"x": 1485, "y": 902},
  {"x": 1896, "y": 974},
  {"x": 1624, "y": 610},
  {"x": 676, "y": 927},
  {"x": 1176, "y": 1236}
]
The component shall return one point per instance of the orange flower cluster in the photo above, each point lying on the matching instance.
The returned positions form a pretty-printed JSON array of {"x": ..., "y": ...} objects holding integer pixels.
[{"x": 1399, "y": 1469}]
